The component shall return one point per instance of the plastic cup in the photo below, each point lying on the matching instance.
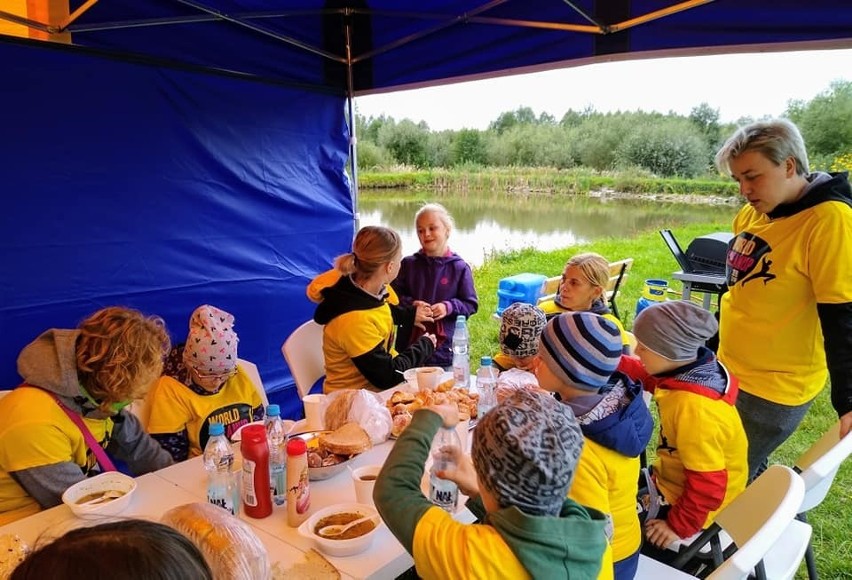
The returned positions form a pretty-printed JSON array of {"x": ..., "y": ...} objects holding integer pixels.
[
  {"x": 364, "y": 480},
  {"x": 428, "y": 378},
  {"x": 313, "y": 411}
]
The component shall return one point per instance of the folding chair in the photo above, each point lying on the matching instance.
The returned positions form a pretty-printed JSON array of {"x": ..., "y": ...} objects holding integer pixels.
[
  {"x": 303, "y": 352},
  {"x": 818, "y": 466},
  {"x": 756, "y": 520}
]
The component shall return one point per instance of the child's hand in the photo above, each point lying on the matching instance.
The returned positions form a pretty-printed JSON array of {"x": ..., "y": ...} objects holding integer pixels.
[
  {"x": 433, "y": 338},
  {"x": 464, "y": 475},
  {"x": 659, "y": 533},
  {"x": 448, "y": 412},
  {"x": 423, "y": 313},
  {"x": 439, "y": 311}
]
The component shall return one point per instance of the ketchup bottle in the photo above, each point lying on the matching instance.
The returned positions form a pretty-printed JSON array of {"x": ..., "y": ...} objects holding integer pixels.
[{"x": 257, "y": 497}]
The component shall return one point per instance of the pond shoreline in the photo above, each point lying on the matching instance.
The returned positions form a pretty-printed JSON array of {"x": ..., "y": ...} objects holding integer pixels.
[{"x": 667, "y": 197}]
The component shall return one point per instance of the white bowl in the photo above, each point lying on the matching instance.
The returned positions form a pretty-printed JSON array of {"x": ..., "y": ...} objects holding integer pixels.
[
  {"x": 311, "y": 438},
  {"x": 341, "y": 547},
  {"x": 109, "y": 481}
]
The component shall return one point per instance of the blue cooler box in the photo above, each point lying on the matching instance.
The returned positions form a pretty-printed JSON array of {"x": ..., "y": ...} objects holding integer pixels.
[{"x": 519, "y": 288}]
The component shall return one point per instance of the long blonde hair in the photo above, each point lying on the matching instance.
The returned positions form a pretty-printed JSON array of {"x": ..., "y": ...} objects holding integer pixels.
[
  {"x": 373, "y": 247},
  {"x": 120, "y": 354}
]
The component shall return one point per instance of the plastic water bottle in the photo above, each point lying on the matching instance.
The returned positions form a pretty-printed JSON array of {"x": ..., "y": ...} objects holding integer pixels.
[
  {"x": 276, "y": 436},
  {"x": 486, "y": 384},
  {"x": 218, "y": 457},
  {"x": 461, "y": 354},
  {"x": 443, "y": 492}
]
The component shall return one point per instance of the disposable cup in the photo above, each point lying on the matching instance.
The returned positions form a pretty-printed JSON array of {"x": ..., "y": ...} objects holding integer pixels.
[
  {"x": 428, "y": 378},
  {"x": 364, "y": 480},
  {"x": 313, "y": 411}
]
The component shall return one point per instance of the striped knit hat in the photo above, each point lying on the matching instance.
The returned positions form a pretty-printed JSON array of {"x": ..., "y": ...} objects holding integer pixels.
[{"x": 581, "y": 348}]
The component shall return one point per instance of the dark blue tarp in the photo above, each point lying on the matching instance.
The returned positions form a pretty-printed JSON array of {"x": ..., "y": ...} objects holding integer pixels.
[
  {"x": 402, "y": 42},
  {"x": 189, "y": 151},
  {"x": 162, "y": 190}
]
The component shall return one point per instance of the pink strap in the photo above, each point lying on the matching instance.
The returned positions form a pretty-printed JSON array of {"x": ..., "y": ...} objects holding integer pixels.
[{"x": 103, "y": 459}]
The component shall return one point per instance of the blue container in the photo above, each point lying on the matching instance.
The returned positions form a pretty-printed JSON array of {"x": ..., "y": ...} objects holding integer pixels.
[
  {"x": 653, "y": 292},
  {"x": 519, "y": 288}
]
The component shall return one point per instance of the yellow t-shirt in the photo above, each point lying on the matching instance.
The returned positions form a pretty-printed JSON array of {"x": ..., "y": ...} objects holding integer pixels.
[
  {"x": 778, "y": 270},
  {"x": 36, "y": 432},
  {"x": 607, "y": 481},
  {"x": 175, "y": 407}
]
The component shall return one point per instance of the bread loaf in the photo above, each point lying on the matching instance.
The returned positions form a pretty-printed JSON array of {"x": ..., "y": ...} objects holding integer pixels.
[
  {"x": 229, "y": 545},
  {"x": 349, "y": 439},
  {"x": 13, "y": 550}
]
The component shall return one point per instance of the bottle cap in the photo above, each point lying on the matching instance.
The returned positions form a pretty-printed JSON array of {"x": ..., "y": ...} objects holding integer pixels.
[
  {"x": 461, "y": 319},
  {"x": 215, "y": 429},
  {"x": 273, "y": 411},
  {"x": 296, "y": 446},
  {"x": 485, "y": 361}
]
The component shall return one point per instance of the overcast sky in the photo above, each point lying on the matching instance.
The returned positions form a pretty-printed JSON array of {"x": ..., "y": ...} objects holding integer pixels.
[{"x": 739, "y": 85}]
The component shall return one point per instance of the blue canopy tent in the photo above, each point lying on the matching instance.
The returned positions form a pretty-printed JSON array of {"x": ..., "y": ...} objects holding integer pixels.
[{"x": 181, "y": 152}]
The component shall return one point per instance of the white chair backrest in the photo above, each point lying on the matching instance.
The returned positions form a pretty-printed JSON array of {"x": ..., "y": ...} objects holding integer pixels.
[
  {"x": 251, "y": 370},
  {"x": 303, "y": 353},
  {"x": 819, "y": 464},
  {"x": 757, "y": 518}
]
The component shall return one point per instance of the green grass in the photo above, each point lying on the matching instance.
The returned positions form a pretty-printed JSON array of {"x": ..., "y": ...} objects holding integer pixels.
[{"x": 831, "y": 521}]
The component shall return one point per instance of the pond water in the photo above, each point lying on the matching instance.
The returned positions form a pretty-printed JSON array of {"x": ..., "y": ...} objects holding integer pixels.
[{"x": 488, "y": 223}]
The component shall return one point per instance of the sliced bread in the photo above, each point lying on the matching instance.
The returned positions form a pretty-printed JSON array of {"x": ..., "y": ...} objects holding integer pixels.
[{"x": 349, "y": 439}]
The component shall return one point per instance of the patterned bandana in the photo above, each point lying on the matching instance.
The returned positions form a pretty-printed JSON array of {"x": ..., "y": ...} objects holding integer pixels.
[
  {"x": 525, "y": 450},
  {"x": 520, "y": 326},
  {"x": 211, "y": 347}
]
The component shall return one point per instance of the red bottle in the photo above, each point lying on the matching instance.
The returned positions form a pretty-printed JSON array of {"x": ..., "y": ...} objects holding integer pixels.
[{"x": 257, "y": 497}]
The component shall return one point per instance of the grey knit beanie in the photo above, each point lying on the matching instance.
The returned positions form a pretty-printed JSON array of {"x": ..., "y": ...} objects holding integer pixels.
[
  {"x": 525, "y": 451},
  {"x": 582, "y": 349},
  {"x": 520, "y": 326},
  {"x": 675, "y": 330}
]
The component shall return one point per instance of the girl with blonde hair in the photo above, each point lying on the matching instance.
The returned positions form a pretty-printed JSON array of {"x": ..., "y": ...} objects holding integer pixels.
[
  {"x": 360, "y": 313},
  {"x": 437, "y": 279}
]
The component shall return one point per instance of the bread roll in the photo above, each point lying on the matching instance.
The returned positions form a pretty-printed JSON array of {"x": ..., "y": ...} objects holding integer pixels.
[
  {"x": 230, "y": 547},
  {"x": 347, "y": 440}
]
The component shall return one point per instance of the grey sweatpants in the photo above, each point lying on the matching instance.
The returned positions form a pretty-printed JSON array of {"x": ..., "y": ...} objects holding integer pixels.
[{"x": 767, "y": 425}]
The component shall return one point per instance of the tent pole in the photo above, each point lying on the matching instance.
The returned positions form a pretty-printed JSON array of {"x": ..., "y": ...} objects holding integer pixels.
[{"x": 353, "y": 137}]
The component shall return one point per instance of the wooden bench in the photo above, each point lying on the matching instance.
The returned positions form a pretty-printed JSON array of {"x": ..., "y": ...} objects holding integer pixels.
[{"x": 617, "y": 274}]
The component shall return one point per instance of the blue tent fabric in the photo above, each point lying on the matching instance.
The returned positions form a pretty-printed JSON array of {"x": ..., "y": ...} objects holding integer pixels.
[
  {"x": 192, "y": 151},
  {"x": 162, "y": 190},
  {"x": 398, "y": 43}
]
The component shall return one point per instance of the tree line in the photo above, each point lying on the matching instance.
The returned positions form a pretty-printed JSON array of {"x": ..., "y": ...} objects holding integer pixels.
[{"x": 665, "y": 145}]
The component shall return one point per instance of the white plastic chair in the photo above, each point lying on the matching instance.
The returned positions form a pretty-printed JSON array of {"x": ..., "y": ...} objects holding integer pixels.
[
  {"x": 303, "y": 352},
  {"x": 818, "y": 467},
  {"x": 756, "y": 520}
]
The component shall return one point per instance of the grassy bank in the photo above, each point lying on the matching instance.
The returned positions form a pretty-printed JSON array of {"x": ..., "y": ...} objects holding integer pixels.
[
  {"x": 548, "y": 181},
  {"x": 831, "y": 521}
]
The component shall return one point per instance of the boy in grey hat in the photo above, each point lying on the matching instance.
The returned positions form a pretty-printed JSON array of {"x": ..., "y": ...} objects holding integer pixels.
[
  {"x": 702, "y": 452},
  {"x": 524, "y": 455}
]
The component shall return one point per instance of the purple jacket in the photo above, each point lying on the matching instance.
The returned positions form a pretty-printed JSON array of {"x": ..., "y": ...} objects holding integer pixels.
[{"x": 446, "y": 279}]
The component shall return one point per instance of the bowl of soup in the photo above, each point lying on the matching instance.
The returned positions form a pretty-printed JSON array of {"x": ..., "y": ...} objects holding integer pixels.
[
  {"x": 107, "y": 494},
  {"x": 355, "y": 540}
]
